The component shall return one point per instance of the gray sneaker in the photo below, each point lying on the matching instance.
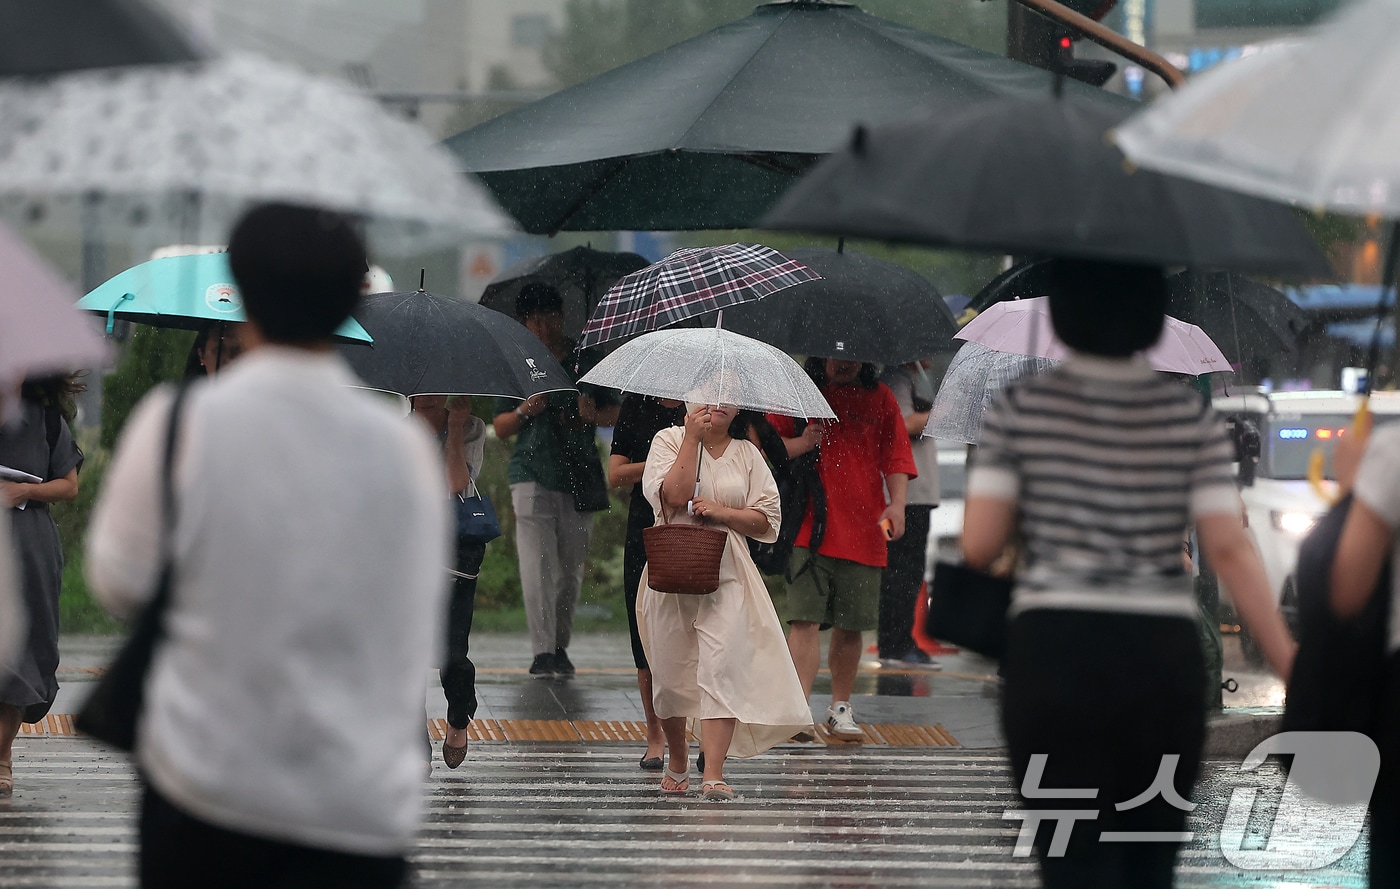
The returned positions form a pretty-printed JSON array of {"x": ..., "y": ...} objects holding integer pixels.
[{"x": 841, "y": 719}]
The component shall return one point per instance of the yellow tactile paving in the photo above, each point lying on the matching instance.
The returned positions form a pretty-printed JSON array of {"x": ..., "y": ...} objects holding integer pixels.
[{"x": 595, "y": 731}]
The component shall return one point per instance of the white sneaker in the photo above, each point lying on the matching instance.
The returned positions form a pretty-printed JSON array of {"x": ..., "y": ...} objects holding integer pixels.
[{"x": 841, "y": 719}]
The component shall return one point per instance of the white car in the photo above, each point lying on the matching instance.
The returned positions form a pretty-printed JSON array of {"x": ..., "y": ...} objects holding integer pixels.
[{"x": 1280, "y": 503}]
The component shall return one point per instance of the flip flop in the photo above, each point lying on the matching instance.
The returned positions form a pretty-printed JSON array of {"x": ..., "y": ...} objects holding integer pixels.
[
  {"x": 680, "y": 783},
  {"x": 652, "y": 763},
  {"x": 716, "y": 790}
]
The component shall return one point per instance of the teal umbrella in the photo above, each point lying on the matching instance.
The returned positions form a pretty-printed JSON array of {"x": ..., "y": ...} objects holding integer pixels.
[{"x": 184, "y": 292}]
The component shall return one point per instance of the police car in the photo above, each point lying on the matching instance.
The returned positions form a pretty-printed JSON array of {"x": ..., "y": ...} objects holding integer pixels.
[{"x": 1280, "y": 503}]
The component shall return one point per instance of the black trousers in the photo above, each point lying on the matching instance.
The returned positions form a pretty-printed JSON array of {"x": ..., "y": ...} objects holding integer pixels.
[
  {"x": 458, "y": 672},
  {"x": 634, "y": 559},
  {"x": 1105, "y": 697},
  {"x": 1385, "y": 799},
  {"x": 179, "y": 851},
  {"x": 899, "y": 585}
]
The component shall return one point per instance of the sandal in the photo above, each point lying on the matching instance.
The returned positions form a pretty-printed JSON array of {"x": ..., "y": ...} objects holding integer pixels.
[
  {"x": 652, "y": 763},
  {"x": 7, "y": 778},
  {"x": 680, "y": 783},
  {"x": 716, "y": 790}
]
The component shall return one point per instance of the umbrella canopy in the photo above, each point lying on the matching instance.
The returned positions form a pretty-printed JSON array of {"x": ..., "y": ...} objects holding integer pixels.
[
  {"x": 175, "y": 154},
  {"x": 1024, "y": 280},
  {"x": 181, "y": 291},
  {"x": 708, "y": 133},
  {"x": 426, "y": 344},
  {"x": 1023, "y": 327},
  {"x": 691, "y": 282},
  {"x": 63, "y": 35},
  {"x": 1312, "y": 123},
  {"x": 1038, "y": 178},
  {"x": 712, "y": 366},
  {"x": 39, "y": 331},
  {"x": 862, "y": 309},
  {"x": 581, "y": 275},
  {"x": 975, "y": 375},
  {"x": 1244, "y": 317}
]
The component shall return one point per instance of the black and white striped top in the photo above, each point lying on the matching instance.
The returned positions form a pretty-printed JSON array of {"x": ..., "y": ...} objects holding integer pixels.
[{"x": 1109, "y": 462}]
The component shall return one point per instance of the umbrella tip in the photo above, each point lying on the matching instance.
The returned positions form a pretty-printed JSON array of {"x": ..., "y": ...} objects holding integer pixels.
[
  {"x": 858, "y": 139},
  {"x": 422, "y": 276}
]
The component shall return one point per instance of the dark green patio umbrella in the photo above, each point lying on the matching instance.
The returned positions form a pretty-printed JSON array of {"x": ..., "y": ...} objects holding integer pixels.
[{"x": 708, "y": 133}]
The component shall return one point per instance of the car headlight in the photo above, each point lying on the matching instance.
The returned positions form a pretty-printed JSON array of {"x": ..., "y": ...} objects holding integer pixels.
[{"x": 1296, "y": 523}]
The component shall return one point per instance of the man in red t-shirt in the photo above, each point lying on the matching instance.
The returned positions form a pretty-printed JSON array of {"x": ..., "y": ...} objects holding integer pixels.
[{"x": 865, "y": 467}]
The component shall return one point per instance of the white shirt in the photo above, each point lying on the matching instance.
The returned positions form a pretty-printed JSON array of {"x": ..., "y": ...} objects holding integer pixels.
[
  {"x": 1378, "y": 486},
  {"x": 287, "y": 698},
  {"x": 922, "y": 491}
]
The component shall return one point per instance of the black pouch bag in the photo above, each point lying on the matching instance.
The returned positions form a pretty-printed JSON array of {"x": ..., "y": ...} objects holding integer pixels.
[
  {"x": 111, "y": 712},
  {"x": 968, "y": 608}
]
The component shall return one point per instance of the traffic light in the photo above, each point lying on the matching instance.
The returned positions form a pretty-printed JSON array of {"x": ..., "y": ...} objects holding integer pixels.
[
  {"x": 1036, "y": 40},
  {"x": 1094, "y": 72}
]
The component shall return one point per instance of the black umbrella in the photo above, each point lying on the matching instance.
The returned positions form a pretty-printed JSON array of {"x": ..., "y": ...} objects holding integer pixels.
[
  {"x": 863, "y": 308},
  {"x": 1038, "y": 178},
  {"x": 426, "y": 344},
  {"x": 708, "y": 133},
  {"x": 581, "y": 275},
  {"x": 1024, "y": 280},
  {"x": 1246, "y": 318},
  {"x": 43, "y": 37}
]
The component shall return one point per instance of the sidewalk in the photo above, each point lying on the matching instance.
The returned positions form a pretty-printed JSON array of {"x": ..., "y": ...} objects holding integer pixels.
[{"x": 900, "y": 706}]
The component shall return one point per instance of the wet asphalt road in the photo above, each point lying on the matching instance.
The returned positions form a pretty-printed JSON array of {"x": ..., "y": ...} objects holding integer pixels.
[{"x": 585, "y": 815}]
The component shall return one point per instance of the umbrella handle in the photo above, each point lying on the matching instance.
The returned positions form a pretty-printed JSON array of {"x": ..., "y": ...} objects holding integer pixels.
[
  {"x": 112, "y": 312},
  {"x": 1318, "y": 458}
]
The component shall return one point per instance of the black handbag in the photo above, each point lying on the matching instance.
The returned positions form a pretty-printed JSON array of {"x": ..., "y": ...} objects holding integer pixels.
[
  {"x": 111, "y": 712},
  {"x": 968, "y": 608},
  {"x": 476, "y": 517}
]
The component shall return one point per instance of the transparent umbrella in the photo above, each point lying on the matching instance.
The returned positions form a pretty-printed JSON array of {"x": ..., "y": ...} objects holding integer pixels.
[
  {"x": 712, "y": 366},
  {"x": 1312, "y": 123},
  {"x": 174, "y": 154},
  {"x": 975, "y": 375}
]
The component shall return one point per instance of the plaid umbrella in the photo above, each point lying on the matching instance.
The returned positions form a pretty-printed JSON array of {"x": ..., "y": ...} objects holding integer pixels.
[{"x": 688, "y": 283}]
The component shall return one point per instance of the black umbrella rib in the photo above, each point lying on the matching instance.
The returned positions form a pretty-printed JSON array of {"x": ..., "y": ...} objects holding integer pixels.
[{"x": 598, "y": 185}]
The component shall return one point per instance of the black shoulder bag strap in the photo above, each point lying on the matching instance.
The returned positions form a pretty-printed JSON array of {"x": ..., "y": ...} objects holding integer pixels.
[{"x": 113, "y": 709}]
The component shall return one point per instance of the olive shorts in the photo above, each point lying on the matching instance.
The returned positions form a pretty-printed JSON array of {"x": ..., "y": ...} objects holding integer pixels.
[{"x": 833, "y": 592}]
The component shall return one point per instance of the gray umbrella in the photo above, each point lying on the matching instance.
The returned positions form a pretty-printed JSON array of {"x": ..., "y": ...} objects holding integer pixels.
[
  {"x": 53, "y": 36},
  {"x": 708, "y": 133},
  {"x": 426, "y": 344}
]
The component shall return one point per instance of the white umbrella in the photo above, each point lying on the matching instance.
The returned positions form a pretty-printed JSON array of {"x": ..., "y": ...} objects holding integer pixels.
[
  {"x": 1313, "y": 123},
  {"x": 712, "y": 366},
  {"x": 975, "y": 375},
  {"x": 40, "y": 330},
  {"x": 1022, "y": 327},
  {"x": 179, "y": 152}
]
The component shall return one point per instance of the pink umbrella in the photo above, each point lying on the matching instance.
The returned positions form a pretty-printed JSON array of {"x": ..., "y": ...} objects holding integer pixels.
[
  {"x": 40, "y": 330},
  {"x": 1022, "y": 327}
]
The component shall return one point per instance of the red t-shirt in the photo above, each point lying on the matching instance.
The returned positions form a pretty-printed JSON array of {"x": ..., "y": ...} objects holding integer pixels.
[{"x": 868, "y": 443}]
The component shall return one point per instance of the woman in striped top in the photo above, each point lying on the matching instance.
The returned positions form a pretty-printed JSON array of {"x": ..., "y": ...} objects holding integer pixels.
[{"x": 1104, "y": 464}]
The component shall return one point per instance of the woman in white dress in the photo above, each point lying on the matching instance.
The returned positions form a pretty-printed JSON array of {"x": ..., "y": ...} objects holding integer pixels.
[{"x": 720, "y": 658}]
